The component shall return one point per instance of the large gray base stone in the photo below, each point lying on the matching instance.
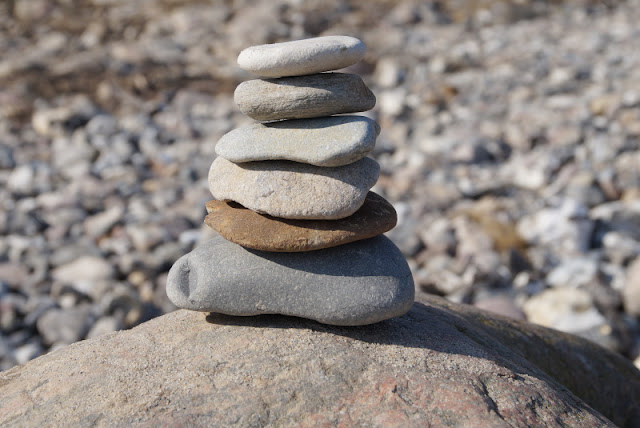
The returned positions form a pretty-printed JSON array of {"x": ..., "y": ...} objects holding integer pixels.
[{"x": 353, "y": 284}]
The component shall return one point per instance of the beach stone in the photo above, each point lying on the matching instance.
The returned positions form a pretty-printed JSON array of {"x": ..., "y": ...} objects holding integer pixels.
[
  {"x": 87, "y": 274},
  {"x": 303, "y": 97},
  {"x": 441, "y": 364},
  {"x": 353, "y": 284},
  {"x": 567, "y": 309},
  {"x": 294, "y": 190},
  {"x": 65, "y": 325},
  {"x": 631, "y": 290},
  {"x": 326, "y": 141},
  {"x": 266, "y": 233},
  {"x": 301, "y": 57},
  {"x": 501, "y": 305}
]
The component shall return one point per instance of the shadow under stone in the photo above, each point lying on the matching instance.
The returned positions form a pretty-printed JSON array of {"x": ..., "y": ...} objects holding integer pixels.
[{"x": 581, "y": 368}]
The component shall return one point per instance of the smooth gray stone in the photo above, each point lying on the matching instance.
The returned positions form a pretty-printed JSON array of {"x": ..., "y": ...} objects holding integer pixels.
[
  {"x": 303, "y": 97},
  {"x": 354, "y": 284},
  {"x": 294, "y": 190},
  {"x": 301, "y": 57},
  {"x": 325, "y": 141}
]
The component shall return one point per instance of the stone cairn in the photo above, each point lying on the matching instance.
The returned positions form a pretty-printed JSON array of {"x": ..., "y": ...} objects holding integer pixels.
[{"x": 300, "y": 232}]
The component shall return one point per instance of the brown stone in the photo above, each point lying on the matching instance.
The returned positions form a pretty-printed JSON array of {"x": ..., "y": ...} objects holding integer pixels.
[
  {"x": 266, "y": 233},
  {"x": 441, "y": 364}
]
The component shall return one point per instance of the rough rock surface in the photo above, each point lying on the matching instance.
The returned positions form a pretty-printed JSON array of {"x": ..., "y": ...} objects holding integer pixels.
[
  {"x": 266, "y": 233},
  {"x": 294, "y": 190},
  {"x": 326, "y": 141},
  {"x": 441, "y": 364},
  {"x": 301, "y": 57},
  {"x": 303, "y": 97},
  {"x": 354, "y": 284}
]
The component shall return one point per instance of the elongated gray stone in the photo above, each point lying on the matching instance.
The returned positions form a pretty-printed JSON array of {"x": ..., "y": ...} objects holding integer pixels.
[
  {"x": 300, "y": 57},
  {"x": 324, "y": 141},
  {"x": 303, "y": 97},
  {"x": 294, "y": 190},
  {"x": 353, "y": 284}
]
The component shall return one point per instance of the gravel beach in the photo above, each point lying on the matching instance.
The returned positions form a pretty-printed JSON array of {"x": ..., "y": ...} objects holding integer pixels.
[{"x": 510, "y": 148}]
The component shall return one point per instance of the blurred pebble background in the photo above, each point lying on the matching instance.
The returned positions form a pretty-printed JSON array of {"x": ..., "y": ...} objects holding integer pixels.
[{"x": 510, "y": 147}]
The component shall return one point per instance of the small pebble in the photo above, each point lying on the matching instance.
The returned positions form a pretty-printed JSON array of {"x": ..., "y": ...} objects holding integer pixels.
[
  {"x": 301, "y": 57},
  {"x": 303, "y": 97},
  {"x": 294, "y": 190},
  {"x": 327, "y": 141}
]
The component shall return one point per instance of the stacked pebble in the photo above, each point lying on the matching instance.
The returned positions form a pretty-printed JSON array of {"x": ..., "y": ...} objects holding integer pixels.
[{"x": 300, "y": 232}]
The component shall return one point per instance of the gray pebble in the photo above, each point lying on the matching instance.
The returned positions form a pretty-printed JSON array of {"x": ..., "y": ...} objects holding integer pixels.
[
  {"x": 84, "y": 269},
  {"x": 326, "y": 141},
  {"x": 103, "y": 326},
  {"x": 303, "y": 97},
  {"x": 37, "y": 306},
  {"x": 21, "y": 179},
  {"x": 574, "y": 273},
  {"x": 6, "y": 157},
  {"x": 353, "y": 284},
  {"x": 28, "y": 351},
  {"x": 567, "y": 309},
  {"x": 567, "y": 226},
  {"x": 294, "y": 190},
  {"x": 102, "y": 124},
  {"x": 631, "y": 292},
  {"x": 301, "y": 57},
  {"x": 64, "y": 326}
]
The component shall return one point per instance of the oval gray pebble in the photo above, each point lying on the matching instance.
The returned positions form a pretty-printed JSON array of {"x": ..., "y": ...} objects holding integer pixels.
[
  {"x": 326, "y": 141},
  {"x": 294, "y": 190},
  {"x": 301, "y": 57},
  {"x": 303, "y": 97},
  {"x": 354, "y": 284}
]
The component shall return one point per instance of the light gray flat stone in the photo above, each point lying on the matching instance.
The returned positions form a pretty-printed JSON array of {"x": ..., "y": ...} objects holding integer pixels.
[
  {"x": 294, "y": 190},
  {"x": 325, "y": 141},
  {"x": 301, "y": 57},
  {"x": 353, "y": 284},
  {"x": 303, "y": 97}
]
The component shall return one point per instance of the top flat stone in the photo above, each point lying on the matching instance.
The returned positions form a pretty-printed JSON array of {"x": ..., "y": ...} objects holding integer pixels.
[
  {"x": 325, "y": 141},
  {"x": 302, "y": 57}
]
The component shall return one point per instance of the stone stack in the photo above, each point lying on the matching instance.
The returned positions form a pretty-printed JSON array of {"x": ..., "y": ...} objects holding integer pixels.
[{"x": 300, "y": 230}]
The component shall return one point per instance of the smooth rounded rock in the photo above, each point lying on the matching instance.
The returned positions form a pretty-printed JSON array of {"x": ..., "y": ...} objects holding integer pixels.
[
  {"x": 301, "y": 57},
  {"x": 325, "y": 141},
  {"x": 354, "y": 284},
  {"x": 266, "y": 233},
  {"x": 294, "y": 190},
  {"x": 303, "y": 97},
  {"x": 441, "y": 364}
]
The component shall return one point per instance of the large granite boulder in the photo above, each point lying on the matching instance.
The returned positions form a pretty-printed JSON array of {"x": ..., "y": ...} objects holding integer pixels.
[{"x": 441, "y": 364}]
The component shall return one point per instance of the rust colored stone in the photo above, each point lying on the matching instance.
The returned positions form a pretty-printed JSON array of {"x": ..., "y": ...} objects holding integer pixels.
[{"x": 266, "y": 233}]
